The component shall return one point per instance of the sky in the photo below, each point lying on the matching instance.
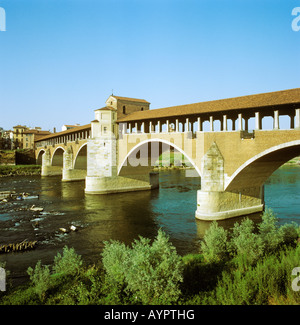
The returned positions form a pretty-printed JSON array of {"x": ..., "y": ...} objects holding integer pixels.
[{"x": 61, "y": 59}]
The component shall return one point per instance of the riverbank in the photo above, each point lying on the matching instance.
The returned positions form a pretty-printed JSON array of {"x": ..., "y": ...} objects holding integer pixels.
[
  {"x": 19, "y": 170},
  {"x": 240, "y": 268}
]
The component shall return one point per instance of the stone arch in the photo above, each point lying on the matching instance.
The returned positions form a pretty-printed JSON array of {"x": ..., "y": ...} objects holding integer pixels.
[
  {"x": 259, "y": 168},
  {"x": 58, "y": 157},
  {"x": 80, "y": 161},
  {"x": 143, "y": 149},
  {"x": 39, "y": 157}
]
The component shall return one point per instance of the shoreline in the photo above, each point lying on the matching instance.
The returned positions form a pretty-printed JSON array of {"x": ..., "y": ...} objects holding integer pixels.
[
  {"x": 19, "y": 170},
  {"x": 35, "y": 170}
]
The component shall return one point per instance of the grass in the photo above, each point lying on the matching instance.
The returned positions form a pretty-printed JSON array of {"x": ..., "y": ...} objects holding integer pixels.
[{"x": 13, "y": 170}]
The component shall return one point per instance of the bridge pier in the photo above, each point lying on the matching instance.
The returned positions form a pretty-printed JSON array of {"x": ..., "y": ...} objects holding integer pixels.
[
  {"x": 102, "y": 175},
  {"x": 215, "y": 203},
  {"x": 69, "y": 173},
  {"x": 219, "y": 205},
  {"x": 47, "y": 168}
]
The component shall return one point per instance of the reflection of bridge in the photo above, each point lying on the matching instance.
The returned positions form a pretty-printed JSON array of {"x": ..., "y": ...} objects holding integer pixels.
[{"x": 116, "y": 151}]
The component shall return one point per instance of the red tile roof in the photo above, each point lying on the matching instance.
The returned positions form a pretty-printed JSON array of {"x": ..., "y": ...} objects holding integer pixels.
[{"x": 291, "y": 96}]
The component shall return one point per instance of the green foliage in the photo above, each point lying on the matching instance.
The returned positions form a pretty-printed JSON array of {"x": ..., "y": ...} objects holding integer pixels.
[
  {"x": 40, "y": 277},
  {"x": 68, "y": 263},
  {"x": 290, "y": 233},
  {"x": 150, "y": 273},
  {"x": 245, "y": 244},
  {"x": 214, "y": 244},
  {"x": 10, "y": 170},
  {"x": 269, "y": 231}
]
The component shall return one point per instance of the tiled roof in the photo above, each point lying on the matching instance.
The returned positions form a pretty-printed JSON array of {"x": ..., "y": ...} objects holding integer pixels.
[
  {"x": 130, "y": 99},
  {"x": 106, "y": 108},
  {"x": 75, "y": 129},
  {"x": 290, "y": 96}
]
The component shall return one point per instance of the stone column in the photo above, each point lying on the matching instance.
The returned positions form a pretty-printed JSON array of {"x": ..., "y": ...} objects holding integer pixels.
[
  {"x": 211, "y": 123},
  {"x": 68, "y": 158},
  {"x": 150, "y": 127},
  {"x": 167, "y": 122},
  {"x": 297, "y": 120},
  {"x": 187, "y": 125},
  {"x": 240, "y": 125},
  {"x": 199, "y": 124},
  {"x": 257, "y": 121},
  {"x": 276, "y": 120},
  {"x": 47, "y": 168},
  {"x": 177, "y": 126},
  {"x": 158, "y": 127},
  {"x": 224, "y": 122},
  {"x": 136, "y": 128}
]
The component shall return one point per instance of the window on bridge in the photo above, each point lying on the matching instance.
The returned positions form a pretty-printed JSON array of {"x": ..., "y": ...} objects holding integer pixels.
[{"x": 267, "y": 123}]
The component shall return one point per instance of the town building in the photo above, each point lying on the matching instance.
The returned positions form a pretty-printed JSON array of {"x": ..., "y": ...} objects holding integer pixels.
[{"x": 32, "y": 135}]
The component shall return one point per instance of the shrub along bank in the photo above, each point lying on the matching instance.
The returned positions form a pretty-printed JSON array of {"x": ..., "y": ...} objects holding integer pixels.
[
  {"x": 244, "y": 266},
  {"x": 19, "y": 170}
]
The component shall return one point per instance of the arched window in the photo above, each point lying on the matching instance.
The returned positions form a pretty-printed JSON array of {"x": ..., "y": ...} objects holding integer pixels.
[
  {"x": 124, "y": 110},
  {"x": 142, "y": 108}
]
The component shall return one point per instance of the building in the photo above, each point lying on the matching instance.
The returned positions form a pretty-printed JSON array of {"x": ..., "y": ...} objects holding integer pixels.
[
  {"x": 24, "y": 137},
  {"x": 116, "y": 108},
  {"x": 68, "y": 127},
  {"x": 6, "y": 140},
  {"x": 18, "y": 131},
  {"x": 32, "y": 135}
]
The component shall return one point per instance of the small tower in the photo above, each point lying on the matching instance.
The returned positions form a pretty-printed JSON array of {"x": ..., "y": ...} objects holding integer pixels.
[{"x": 102, "y": 176}]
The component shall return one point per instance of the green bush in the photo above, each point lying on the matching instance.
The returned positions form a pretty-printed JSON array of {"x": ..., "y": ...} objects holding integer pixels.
[
  {"x": 68, "y": 263},
  {"x": 244, "y": 244},
  {"x": 214, "y": 244},
  {"x": 290, "y": 232},
  {"x": 149, "y": 273},
  {"x": 269, "y": 231},
  {"x": 40, "y": 278}
]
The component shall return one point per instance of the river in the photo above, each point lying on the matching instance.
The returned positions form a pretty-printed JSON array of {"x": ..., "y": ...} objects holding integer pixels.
[{"x": 122, "y": 217}]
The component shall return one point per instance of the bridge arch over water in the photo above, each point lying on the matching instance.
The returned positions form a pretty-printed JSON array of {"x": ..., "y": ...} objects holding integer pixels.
[
  {"x": 260, "y": 167},
  {"x": 234, "y": 144},
  {"x": 147, "y": 152}
]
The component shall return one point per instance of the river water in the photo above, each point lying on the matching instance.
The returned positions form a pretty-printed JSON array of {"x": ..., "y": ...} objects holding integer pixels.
[{"x": 122, "y": 217}]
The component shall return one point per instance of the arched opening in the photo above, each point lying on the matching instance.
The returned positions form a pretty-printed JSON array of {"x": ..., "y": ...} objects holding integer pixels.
[
  {"x": 217, "y": 125},
  {"x": 81, "y": 158},
  {"x": 258, "y": 169},
  {"x": 268, "y": 123},
  {"x": 251, "y": 123},
  {"x": 40, "y": 157},
  {"x": 57, "y": 159},
  {"x": 152, "y": 153},
  {"x": 206, "y": 126}
]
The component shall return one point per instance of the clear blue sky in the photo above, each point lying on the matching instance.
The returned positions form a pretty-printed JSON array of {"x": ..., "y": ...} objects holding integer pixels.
[{"x": 60, "y": 59}]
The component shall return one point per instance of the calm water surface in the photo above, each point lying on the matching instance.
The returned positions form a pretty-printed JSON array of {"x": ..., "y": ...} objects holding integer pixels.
[{"x": 122, "y": 217}]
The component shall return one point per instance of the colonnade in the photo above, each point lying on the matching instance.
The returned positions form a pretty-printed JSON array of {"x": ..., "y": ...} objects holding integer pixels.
[
  {"x": 64, "y": 138},
  {"x": 239, "y": 122}
]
